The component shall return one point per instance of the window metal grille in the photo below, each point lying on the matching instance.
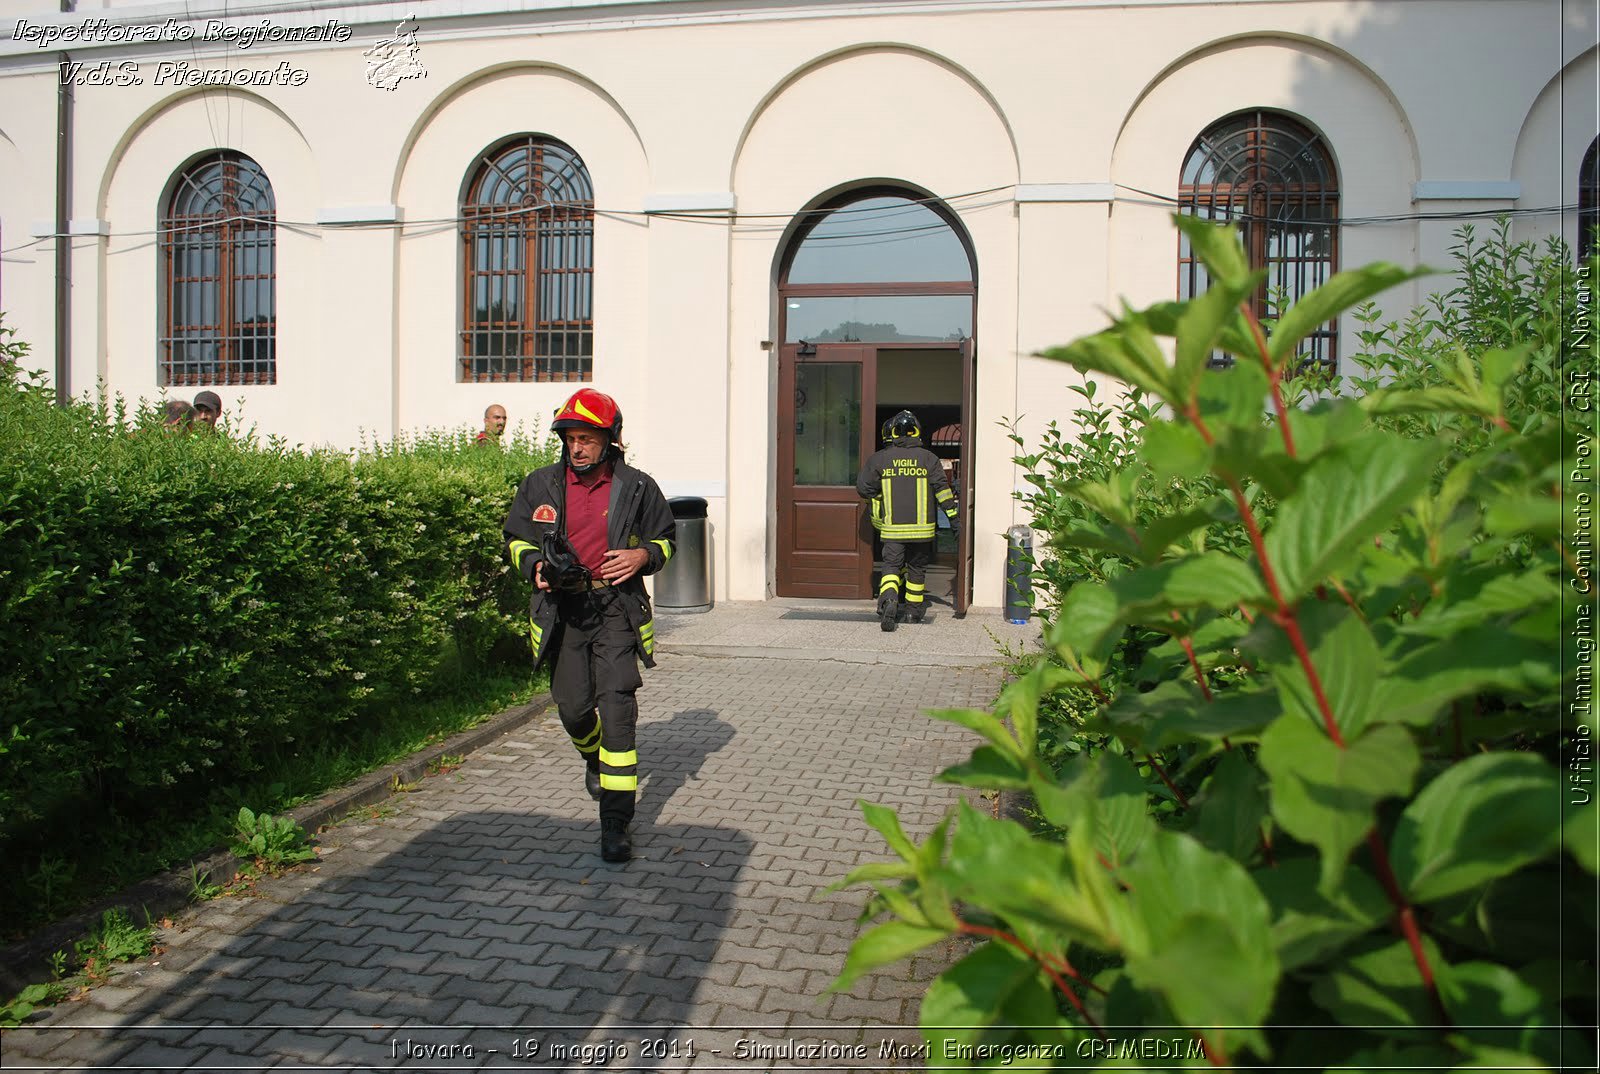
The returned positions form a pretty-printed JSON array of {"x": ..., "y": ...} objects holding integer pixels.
[
  {"x": 1588, "y": 201},
  {"x": 219, "y": 247},
  {"x": 528, "y": 266},
  {"x": 1274, "y": 179}
]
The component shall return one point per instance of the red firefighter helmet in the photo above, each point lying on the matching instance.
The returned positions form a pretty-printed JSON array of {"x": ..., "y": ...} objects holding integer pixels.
[{"x": 590, "y": 409}]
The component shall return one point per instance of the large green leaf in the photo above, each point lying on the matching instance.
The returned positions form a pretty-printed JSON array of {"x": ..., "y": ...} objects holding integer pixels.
[
  {"x": 1086, "y": 627},
  {"x": 1174, "y": 713},
  {"x": 887, "y": 823},
  {"x": 1174, "y": 450},
  {"x": 1379, "y": 987},
  {"x": 998, "y": 865},
  {"x": 995, "y": 985},
  {"x": 1230, "y": 808},
  {"x": 1113, "y": 351},
  {"x": 1482, "y": 818},
  {"x": 1348, "y": 496},
  {"x": 1204, "y": 323},
  {"x": 1308, "y": 925},
  {"x": 1343, "y": 291},
  {"x": 1217, "y": 246},
  {"x": 882, "y": 945},
  {"x": 1122, "y": 808},
  {"x": 989, "y": 768},
  {"x": 1197, "y": 930},
  {"x": 1427, "y": 678},
  {"x": 1487, "y": 994},
  {"x": 1348, "y": 668},
  {"x": 1210, "y": 580},
  {"x": 988, "y": 724},
  {"x": 1327, "y": 796}
]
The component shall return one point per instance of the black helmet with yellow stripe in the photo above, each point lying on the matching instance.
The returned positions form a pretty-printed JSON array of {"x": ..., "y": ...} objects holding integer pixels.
[{"x": 903, "y": 424}]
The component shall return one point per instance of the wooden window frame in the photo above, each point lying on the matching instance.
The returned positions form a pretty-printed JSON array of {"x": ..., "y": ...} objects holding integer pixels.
[
  {"x": 517, "y": 226},
  {"x": 1254, "y": 196},
  {"x": 245, "y": 208}
]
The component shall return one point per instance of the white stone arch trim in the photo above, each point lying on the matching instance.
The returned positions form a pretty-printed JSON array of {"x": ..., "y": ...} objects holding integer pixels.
[
  {"x": 1366, "y": 132},
  {"x": 441, "y": 155},
  {"x": 859, "y": 49},
  {"x": 256, "y": 127},
  {"x": 1556, "y": 131},
  {"x": 135, "y": 186},
  {"x": 455, "y": 101}
]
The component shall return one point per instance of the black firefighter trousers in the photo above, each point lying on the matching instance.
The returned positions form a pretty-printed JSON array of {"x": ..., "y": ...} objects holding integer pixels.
[
  {"x": 593, "y": 681},
  {"x": 911, "y": 557}
]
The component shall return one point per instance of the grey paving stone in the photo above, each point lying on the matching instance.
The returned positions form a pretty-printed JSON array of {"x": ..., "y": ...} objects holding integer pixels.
[{"x": 481, "y": 900}]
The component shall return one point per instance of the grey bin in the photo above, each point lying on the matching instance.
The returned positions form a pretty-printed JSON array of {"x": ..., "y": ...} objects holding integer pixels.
[{"x": 684, "y": 584}]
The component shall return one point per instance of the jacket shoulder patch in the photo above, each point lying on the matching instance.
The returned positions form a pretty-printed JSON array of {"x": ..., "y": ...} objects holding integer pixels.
[{"x": 544, "y": 513}]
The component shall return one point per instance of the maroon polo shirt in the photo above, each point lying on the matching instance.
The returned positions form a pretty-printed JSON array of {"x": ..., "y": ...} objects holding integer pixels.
[{"x": 588, "y": 508}]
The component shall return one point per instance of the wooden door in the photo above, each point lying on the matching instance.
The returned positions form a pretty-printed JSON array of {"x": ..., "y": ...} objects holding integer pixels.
[
  {"x": 963, "y": 594},
  {"x": 826, "y": 400}
]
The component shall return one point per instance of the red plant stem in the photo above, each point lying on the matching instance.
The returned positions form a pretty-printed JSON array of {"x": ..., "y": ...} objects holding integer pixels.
[
  {"x": 1274, "y": 376},
  {"x": 1068, "y": 968},
  {"x": 997, "y": 934},
  {"x": 1215, "y": 1056},
  {"x": 1183, "y": 799},
  {"x": 1284, "y": 616},
  {"x": 1407, "y": 919},
  {"x": 1348, "y": 599},
  {"x": 1199, "y": 676},
  {"x": 1291, "y": 626}
]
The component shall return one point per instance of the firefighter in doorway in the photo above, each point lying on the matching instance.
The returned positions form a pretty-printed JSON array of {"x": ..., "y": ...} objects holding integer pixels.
[
  {"x": 584, "y": 531},
  {"x": 905, "y": 484}
]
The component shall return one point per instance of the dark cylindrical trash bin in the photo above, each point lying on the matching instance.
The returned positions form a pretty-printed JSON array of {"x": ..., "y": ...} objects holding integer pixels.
[
  {"x": 684, "y": 584},
  {"x": 1019, "y": 574}
]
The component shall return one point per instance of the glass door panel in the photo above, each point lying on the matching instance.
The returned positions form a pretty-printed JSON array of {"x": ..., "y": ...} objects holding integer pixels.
[{"x": 827, "y": 423}]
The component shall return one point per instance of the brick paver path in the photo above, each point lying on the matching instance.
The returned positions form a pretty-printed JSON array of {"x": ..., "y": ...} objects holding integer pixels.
[{"x": 474, "y": 912}]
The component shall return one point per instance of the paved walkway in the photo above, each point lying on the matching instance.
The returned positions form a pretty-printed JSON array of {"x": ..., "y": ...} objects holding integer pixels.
[{"x": 471, "y": 924}]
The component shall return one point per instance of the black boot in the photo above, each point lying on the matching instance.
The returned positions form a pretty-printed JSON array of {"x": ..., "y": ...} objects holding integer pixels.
[
  {"x": 614, "y": 842},
  {"x": 591, "y": 781},
  {"x": 887, "y": 609},
  {"x": 918, "y": 610}
]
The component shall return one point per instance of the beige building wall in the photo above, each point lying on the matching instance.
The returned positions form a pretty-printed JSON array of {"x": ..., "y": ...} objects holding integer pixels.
[{"x": 1054, "y": 131}]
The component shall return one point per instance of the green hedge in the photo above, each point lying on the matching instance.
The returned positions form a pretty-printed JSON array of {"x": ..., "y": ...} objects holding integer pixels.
[{"x": 178, "y": 607}]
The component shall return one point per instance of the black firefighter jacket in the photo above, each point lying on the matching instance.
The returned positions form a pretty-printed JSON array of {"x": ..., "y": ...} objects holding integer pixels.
[
  {"x": 638, "y": 517},
  {"x": 905, "y": 483}
]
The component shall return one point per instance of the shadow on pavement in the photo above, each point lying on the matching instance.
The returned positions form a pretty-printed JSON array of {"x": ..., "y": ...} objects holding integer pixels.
[{"x": 437, "y": 939}]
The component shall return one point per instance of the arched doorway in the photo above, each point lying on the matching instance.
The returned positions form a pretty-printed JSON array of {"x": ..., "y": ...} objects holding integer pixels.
[{"x": 877, "y": 298}]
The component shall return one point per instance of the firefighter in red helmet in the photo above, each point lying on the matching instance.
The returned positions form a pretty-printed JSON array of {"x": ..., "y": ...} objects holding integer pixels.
[
  {"x": 585, "y": 531},
  {"x": 905, "y": 484}
]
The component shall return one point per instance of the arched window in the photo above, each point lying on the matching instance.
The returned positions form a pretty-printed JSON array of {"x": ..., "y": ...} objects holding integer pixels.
[
  {"x": 1588, "y": 201},
  {"x": 1273, "y": 178},
  {"x": 219, "y": 250},
  {"x": 528, "y": 265},
  {"x": 879, "y": 265}
]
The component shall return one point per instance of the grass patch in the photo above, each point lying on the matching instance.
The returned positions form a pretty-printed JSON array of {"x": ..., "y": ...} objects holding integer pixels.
[{"x": 92, "y": 864}]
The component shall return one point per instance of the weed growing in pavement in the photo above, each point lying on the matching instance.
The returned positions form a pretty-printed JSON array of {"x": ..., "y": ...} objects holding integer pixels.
[{"x": 270, "y": 844}]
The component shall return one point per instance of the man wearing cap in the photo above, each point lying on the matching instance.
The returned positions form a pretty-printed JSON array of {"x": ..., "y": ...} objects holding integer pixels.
[
  {"x": 208, "y": 408},
  {"x": 585, "y": 531}
]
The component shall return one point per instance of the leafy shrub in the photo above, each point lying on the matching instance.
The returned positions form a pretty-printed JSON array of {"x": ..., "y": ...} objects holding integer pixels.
[
  {"x": 1322, "y": 789},
  {"x": 180, "y": 609}
]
